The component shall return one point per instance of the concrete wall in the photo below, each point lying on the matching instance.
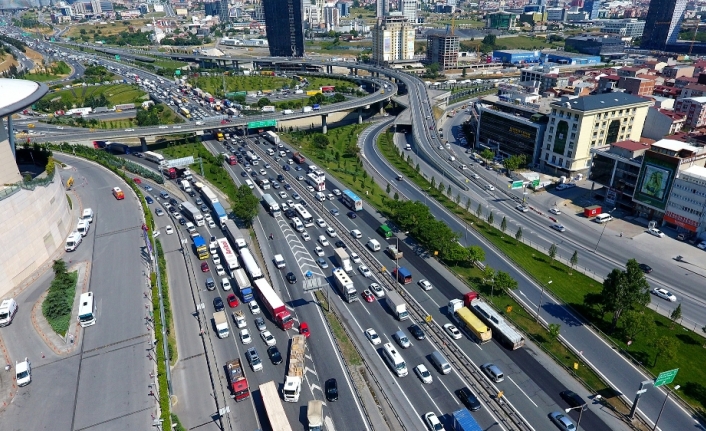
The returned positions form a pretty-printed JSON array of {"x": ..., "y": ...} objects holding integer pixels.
[
  {"x": 34, "y": 225},
  {"x": 9, "y": 173},
  {"x": 336, "y": 119}
]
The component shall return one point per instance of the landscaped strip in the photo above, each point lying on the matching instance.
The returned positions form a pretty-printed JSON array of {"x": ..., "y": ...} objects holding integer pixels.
[{"x": 58, "y": 303}]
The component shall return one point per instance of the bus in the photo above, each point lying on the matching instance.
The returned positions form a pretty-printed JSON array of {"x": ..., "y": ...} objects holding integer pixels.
[
  {"x": 86, "y": 310},
  {"x": 304, "y": 215},
  {"x": 318, "y": 182},
  {"x": 352, "y": 201},
  {"x": 385, "y": 231},
  {"x": 243, "y": 285},
  {"x": 394, "y": 359},
  {"x": 273, "y": 407},
  {"x": 153, "y": 157},
  {"x": 250, "y": 265},
  {"x": 503, "y": 331}
]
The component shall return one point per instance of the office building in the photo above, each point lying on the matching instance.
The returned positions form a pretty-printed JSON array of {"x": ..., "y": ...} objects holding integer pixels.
[
  {"x": 616, "y": 168},
  {"x": 556, "y": 14},
  {"x": 212, "y": 8},
  {"x": 547, "y": 77},
  {"x": 686, "y": 208},
  {"x": 332, "y": 18},
  {"x": 442, "y": 49},
  {"x": 96, "y": 7},
  {"x": 591, "y": 8},
  {"x": 664, "y": 18},
  {"x": 409, "y": 10},
  {"x": 344, "y": 8},
  {"x": 501, "y": 20},
  {"x": 283, "y": 21},
  {"x": 629, "y": 27},
  {"x": 382, "y": 8},
  {"x": 577, "y": 124},
  {"x": 516, "y": 56},
  {"x": 572, "y": 58},
  {"x": 596, "y": 45},
  {"x": 393, "y": 39}
]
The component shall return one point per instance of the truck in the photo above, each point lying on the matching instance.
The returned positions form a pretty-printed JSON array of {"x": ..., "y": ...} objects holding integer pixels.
[
  {"x": 234, "y": 235},
  {"x": 230, "y": 159},
  {"x": 316, "y": 106},
  {"x": 192, "y": 213},
  {"x": 274, "y": 305},
  {"x": 279, "y": 261},
  {"x": 345, "y": 285},
  {"x": 238, "y": 382},
  {"x": 458, "y": 310},
  {"x": 298, "y": 158},
  {"x": 239, "y": 319},
  {"x": 306, "y": 109},
  {"x": 185, "y": 186},
  {"x": 402, "y": 274},
  {"x": 315, "y": 415},
  {"x": 220, "y": 212},
  {"x": 397, "y": 305},
  {"x": 463, "y": 421},
  {"x": 184, "y": 173},
  {"x": 295, "y": 372},
  {"x": 271, "y": 205},
  {"x": 268, "y": 108},
  {"x": 185, "y": 112},
  {"x": 272, "y": 137},
  {"x": 170, "y": 173},
  {"x": 273, "y": 407},
  {"x": 201, "y": 247},
  {"x": 219, "y": 136},
  {"x": 393, "y": 252},
  {"x": 343, "y": 259},
  {"x": 287, "y": 112},
  {"x": 219, "y": 318},
  {"x": 230, "y": 260}
]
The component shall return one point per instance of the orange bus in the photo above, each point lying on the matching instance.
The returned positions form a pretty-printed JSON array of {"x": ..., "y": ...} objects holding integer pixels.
[{"x": 118, "y": 193}]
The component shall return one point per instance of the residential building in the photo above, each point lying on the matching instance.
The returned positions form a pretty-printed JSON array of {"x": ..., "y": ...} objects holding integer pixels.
[
  {"x": 632, "y": 71},
  {"x": 686, "y": 208},
  {"x": 332, "y": 18},
  {"x": 692, "y": 90},
  {"x": 409, "y": 10},
  {"x": 694, "y": 109},
  {"x": 637, "y": 86},
  {"x": 630, "y": 27},
  {"x": 591, "y": 7},
  {"x": 577, "y": 124},
  {"x": 283, "y": 21},
  {"x": 607, "y": 83},
  {"x": 616, "y": 168},
  {"x": 382, "y": 8},
  {"x": 596, "y": 45},
  {"x": 547, "y": 76},
  {"x": 344, "y": 8},
  {"x": 662, "y": 122},
  {"x": 393, "y": 39},
  {"x": 664, "y": 18},
  {"x": 96, "y": 7},
  {"x": 501, "y": 20},
  {"x": 442, "y": 49},
  {"x": 678, "y": 71}
]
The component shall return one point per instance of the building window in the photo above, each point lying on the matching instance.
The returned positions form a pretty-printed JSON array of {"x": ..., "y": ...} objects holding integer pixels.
[
  {"x": 546, "y": 156},
  {"x": 561, "y": 161},
  {"x": 567, "y": 164},
  {"x": 569, "y": 154},
  {"x": 553, "y": 159},
  {"x": 573, "y": 136},
  {"x": 551, "y": 130},
  {"x": 576, "y": 117},
  {"x": 571, "y": 144},
  {"x": 593, "y": 143},
  {"x": 573, "y": 127}
]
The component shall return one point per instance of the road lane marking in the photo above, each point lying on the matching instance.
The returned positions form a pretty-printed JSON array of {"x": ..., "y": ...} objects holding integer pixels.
[{"x": 523, "y": 392}]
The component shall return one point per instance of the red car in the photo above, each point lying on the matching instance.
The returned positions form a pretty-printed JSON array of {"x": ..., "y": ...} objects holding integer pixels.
[
  {"x": 304, "y": 329},
  {"x": 368, "y": 296},
  {"x": 204, "y": 267},
  {"x": 137, "y": 180},
  {"x": 232, "y": 300}
]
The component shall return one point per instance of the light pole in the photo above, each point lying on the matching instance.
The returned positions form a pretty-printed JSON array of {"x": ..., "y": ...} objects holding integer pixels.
[
  {"x": 603, "y": 231},
  {"x": 581, "y": 407},
  {"x": 540, "y": 299},
  {"x": 425, "y": 195},
  {"x": 676, "y": 388}
]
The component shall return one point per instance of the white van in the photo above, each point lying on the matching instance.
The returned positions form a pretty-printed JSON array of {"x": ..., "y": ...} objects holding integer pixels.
[
  {"x": 87, "y": 215},
  {"x": 250, "y": 184},
  {"x": 373, "y": 245},
  {"x": 73, "y": 241},
  {"x": 82, "y": 227},
  {"x": 270, "y": 152},
  {"x": 8, "y": 308},
  {"x": 603, "y": 218},
  {"x": 297, "y": 224},
  {"x": 320, "y": 197}
]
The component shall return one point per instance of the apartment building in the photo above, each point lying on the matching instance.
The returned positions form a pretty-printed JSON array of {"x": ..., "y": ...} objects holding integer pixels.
[
  {"x": 686, "y": 209},
  {"x": 393, "y": 39},
  {"x": 694, "y": 109}
]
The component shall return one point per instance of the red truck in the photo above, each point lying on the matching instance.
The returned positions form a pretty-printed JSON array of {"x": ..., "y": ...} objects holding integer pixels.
[
  {"x": 230, "y": 159},
  {"x": 170, "y": 173},
  {"x": 298, "y": 158},
  {"x": 238, "y": 382},
  {"x": 273, "y": 303}
]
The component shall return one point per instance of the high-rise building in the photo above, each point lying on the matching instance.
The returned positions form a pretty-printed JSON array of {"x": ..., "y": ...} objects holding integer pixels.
[
  {"x": 393, "y": 39},
  {"x": 591, "y": 7},
  {"x": 664, "y": 19},
  {"x": 223, "y": 14},
  {"x": 332, "y": 17},
  {"x": 409, "y": 10},
  {"x": 382, "y": 8},
  {"x": 442, "y": 49},
  {"x": 283, "y": 21},
  {"x": 96, "y": 7}
]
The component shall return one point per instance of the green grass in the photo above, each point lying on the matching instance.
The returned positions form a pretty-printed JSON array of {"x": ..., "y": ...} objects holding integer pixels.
[
  {"x": 43, "y": 77},
  {"x": 214, "y": 84},
  {"x": 350, "y": 354},
  {"x": 64, "y": 294},
  {"x": 169, "y": 64},
  {"x": 115, "y": 93}
]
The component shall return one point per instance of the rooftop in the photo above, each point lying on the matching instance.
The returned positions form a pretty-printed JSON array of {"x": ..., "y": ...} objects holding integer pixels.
[
  {"x": 695, "y": 171},
  {"x": 700, "y": 99},
  {"x": 676, "y": 146},
  {"x": 19, "y": 94},
  {"x": 601, "y": 101},
  {"x": 632, "y": 145}
]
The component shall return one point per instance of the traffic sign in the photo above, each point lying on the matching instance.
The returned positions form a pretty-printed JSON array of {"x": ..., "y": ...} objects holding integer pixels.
[
  {"x": 428, "y": 318},
  {"x": 259, "y": 124},
  {"x": 666, "y": 377},
  {"x": 517, "y": 185}
]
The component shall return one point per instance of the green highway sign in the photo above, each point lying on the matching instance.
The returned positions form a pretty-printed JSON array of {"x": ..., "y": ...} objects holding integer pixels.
[
  {"x": 261, "y": 124},
  {"x": 535, "y": 183},
  {"x": 517, "y": 185},
  {"x": 177, "y": 72},
  {"x": 117, "y": 57},
  {"x": 666, "y": 377}
]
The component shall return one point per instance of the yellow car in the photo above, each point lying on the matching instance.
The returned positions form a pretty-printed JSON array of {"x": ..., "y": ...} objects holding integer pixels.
[{"x": 30, "y": 125}]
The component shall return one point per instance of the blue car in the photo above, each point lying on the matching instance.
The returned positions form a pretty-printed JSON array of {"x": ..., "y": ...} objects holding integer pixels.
[
  {"x": 148, "y": 188},
  {"x": 286, "y": 167},
  {"x": 243, "y": 174},
  {"x": 287, "y": 186},
  {"x": 149, "y": 200}
]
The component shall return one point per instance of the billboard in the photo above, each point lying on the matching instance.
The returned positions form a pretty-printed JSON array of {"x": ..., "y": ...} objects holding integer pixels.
[
  {"x": 387, "y": 46},
  {"x": 655, "y": 179}
]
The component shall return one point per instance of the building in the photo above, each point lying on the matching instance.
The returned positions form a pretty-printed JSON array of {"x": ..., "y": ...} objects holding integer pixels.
[
  {"x": 283, "y": 21},
  {"x": 547, "y": 77},
  {"x": 382, "y": 8},
  {"x": 616, "y": 167},
  {"x": 332, "y": 18},
  {"x": 630, "y": 27},
  {"x": 694, "y": 109},
  {"x": 501, "y": 20},
  {"x": 664, "y": 18},
  {"x": 692, "y": 90},
  {"x": 556, "y": 14},
  {"x": 344, "y": 8},
  {"x": 596, "y": 45},
  {"x": 442, "y": 49},
  {"x": 96, "y": 7},
  {"x": 577, "y": 124},
  {"x": 409, "y": 10},
  {"x": 591, "y": 7},
  {"x": 661, "y": 123},
  {"x": 678, "y": 71},
  {"x": 565, "y": 57},
  {"x": 637, "y": 86},
  {"x": 516, "y": 56},
  {"x": 393, "y": 39},
  {"x": 212, "y": 8},
  {"x": 686, "y": 208}
]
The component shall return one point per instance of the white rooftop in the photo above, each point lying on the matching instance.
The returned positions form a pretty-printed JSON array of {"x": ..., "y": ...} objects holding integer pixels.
[
  {"x": 674, "y": 145},
  {"x": 15, "y": 90},
  {"x": 698, "y": 172}
]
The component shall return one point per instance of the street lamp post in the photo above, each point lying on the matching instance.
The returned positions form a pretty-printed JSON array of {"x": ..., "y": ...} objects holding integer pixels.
[
  {"x": 581, "y": 408},
  {"x": 540, "y": 300},
  {"x": 603, "y": 231},
  {"x": 676, "y": 388}
]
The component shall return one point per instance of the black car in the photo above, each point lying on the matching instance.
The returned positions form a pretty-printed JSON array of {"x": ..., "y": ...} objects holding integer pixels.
[
  {"x": 274, "y": 354},
  {"x": 280, "y": 177},
  {"x": 352, "y": 214},
  {"x": 290, "y": 213},
  {"x": 331, "y": 390},
  {"x": 287, "y": 186},
  {"x": 182, "y": 221},
  {"x": 573, "y": 399},
  {"x": 291, "y": 278},
  {"x": 149, "y": 200},
  {"x": 218, "y": 303},
  {"x": 303, "y": 202},
  {"x": 468, "y": 399},
  {"x": 243, "y": 174},
  {"x": 173, "y": 202},
  {"x": 645, "y": 268},
  {"x": 204, "y": 208},
  {"x": 340, "y": 244},
  {"x": 417, "y": 332},
  {"x": 286, "y": 167},
  {"x": 253, "y": 174}
]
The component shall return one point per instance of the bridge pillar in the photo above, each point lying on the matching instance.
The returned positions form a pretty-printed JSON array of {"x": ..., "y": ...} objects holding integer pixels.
[
  {"x": 329, "y": 70},
  {"x": 355, "y": 71},
  {"x": 324, "y": 127},
  {"x": 360, "y": 115},
  {"x": 382, "y": 109},
  {"x": 237, "y": 64}
]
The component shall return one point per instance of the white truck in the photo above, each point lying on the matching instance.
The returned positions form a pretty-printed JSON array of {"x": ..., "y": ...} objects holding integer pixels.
[
  {"x": 279, "y": 261},
  {"x": 185, "y": 186},
  {"x": 295, "y": 372},
  {"x": 315, "y": 415},
  {"x": 397, "y": 305},
  {"x": 239, "y": 318},
  {"x": 345, "y": 285},
  {"x": 287, "y": 112},
  {"x": 306, "y": 109},
  {"x": 219, "y": 317},
  {"x": 343, "y": 259}
]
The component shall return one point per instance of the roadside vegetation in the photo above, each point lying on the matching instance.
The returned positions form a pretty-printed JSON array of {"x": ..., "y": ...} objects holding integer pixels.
[
  {"x": 214, "y": 84},
  {"x": 350, "y": 354},
  {"x": 59, "y": 301},
  {"x": 53, "y": 71},
  {"x": 93, "y": 96}
]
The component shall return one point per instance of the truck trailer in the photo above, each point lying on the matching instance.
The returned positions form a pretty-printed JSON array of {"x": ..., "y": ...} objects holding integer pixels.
[
  {"x": 345, "y": 285},
  {"x": 402, "y": 275},
  {"x": 343, "y": 259},
  {"x": 220, "y": 212},
  {"x": 463, "y": 421},
  {"x": 397, "y": 305},
  {"x": 192, "y": 213},
  {"x": 295, "y": 372}
]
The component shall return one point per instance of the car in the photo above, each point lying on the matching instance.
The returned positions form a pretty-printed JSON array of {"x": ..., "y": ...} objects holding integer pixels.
[
  {"x": 310, "y": 189},
  {"x": 332, "y": 233},
  {"x": 300, "y": 177},
  {"x": 204, "y": 267},
  {"x": 254, "y": 308},
  {"x": 244, "y": 174},
  {"x": 148, "y": 188},
  {"x": 373, "y": 336},
  {"x": 565, "y": 186},
  {"x": 334, "y": 212},
  {"x": 149, "y": 200},
  {"x": 204, "y": 208},
  {"x": 352, "y": 214},
  {"x": 263, "y": 172},
  {"x": 489, "y": 187},
  {"x": 304, "y": 329},
  {"x": 336, "y": 192},
  {"x": 365, "y": 271},
  {"x": 290, "y": 203},
  {"x": 401, "y": 339},
  {"x": 573, "y": 399},
  {"x": 23, "y": 372},
  {"x": 232, "y": 300},
  {"x": 562, "y": 421},
  {"x": 220, "y": 270},
  {"x": 287, "y": 186},
  {"x": 452, "y": 331},
  {"x": 319, "y": 251},
  {"x": 321, "y": 223},
  {"x": 137, "y": 180},
  {"x": 303, "y": 203},
  {"x": 468, "y": 399},
  {"x": 274, "y": 355},
  {"x": 645, "y": 268},
  {"x": 476, "y": 176},
  {"x": 245, "y": 337},
  {"x": 253, "y": 359},
  {"x": 556, "y": 211},
  {"x": 354, "y": 257},
  {"x": 283, "y": 195},
  {"x": 216, "y": 259},
  {"x": 169, "y": 230},
  {"x": 331, "y": 389},
  {"x": 306, "y": 237},
  {"x": 423, "y": 374},
  {"x": 417, "y": 332},
  {"x": 268, "y": 338},
  {"x": 377, "y": 290},
  {"x": 182, "y": 221},
  {"x": 198, "y": 202},
  {"x": 291, "y": 278},
  {"x": 355, "y": 233},
  {"x": 559, "y": 227},
  {"x": 260, "y": 324},
  {"x": 323, "y": 241},
  {"x": 664, "y": 294},
  {"x": 367, "y": 295},
  {"x": 159, "y": 212},
  {"x": 701, "y": 245},
  {"x": 522, "y": 208},
  {"x": 129, "y": 130},
  {"x": 340, "y": 244},
  {"x": 295, "y": 195},
  {"x": 253, "y": 174},
  {"x": 322, "y": 262},
  {"x": 218, "y": 303},
  {"x": 424, "y": 284},
  {"x": 655, "y": 232},
  {"x": 297, "y": 168},
  {"x": 286, "y": 167},
  {"x": 330, "y": 196},
  {"x": 433, "y": 422}
]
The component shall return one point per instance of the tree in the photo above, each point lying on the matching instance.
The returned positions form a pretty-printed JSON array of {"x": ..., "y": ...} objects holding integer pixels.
[
  {"x": 387, "y": 189},
  {"x": 433, "y": 182},
  {"x": 448, "y": 190},
  {"x": 666, "y": 348},
  {"x": 457, "y": 199},
  {"x": 637, "y": 322},
  {"x": 468, "y": 204},
  {"x": 487, "y": 154},
  {"x": 475, "y": 254},
  {"x": 554, "y": 329},
  {"x": 489, "y": 40},
  {"x": 397, "y": 196},
  {"x": 518, "y": 234},
  {"x": 320, "y": 141},
  {"x": 514, "y": 162},
  {"x": 59, "y": 267},
  {"x": 416, "y": 168},
  {"x": 490, "y": 218},
  {"x": 479, "y": 211},
  {"x": 441, "y": 187},
  {"x": 503, "y": 281},
  {"x": 488, "y": 275},
  {"x": 574, "y": 259},
  {"x": 432, "y": 70},
  {"x": 246, "y": 205},
  {"x": 503, "y": 224},
  {"x": 552, "y": 251},
  {"x": 676, "y": 314},
  {"x": 264, "y": 101},
  {"x": 624, "y": 290}
]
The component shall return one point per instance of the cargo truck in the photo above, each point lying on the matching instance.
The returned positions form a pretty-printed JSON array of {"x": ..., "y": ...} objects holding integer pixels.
[
  {"x": 343, "y": 259},
  {"x": 238, "y": 382},
  {"x": 315, "y": 415},
  {"x": 239, "y": 319},
  {"x": 274, "y": 305},
  {"x": 402, "y": 274},
  {"x": 345, "y": 285},
  {"x": 268, "y": 108},
  {"x": 201, "y": 247},
  {"x": 170, "y": 173},
  {"x": 220, "y": 212},
  {"x": 298, "y": 158},
  {"x": 306, "y": 109},
  {"x": 463, "y": 421},
  {"x": 295, "y": 372},
  {"x": 287, "y": 112},
  {"x": 230, "y": 159},
  {"x": 219, "y": 136},
  {"x": 219, "y": 318},
  {"x": 397, "y": 305},
  {"x": 465, "y": 319},
  {"x": 192, "y": 213},
  {"x": 393, "y": 252},
  {"x": 185, "y": 186}
]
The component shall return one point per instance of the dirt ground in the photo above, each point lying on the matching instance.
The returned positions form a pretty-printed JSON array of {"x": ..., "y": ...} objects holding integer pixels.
[
  {"x": 34, "y": 56},
  {"x": 6, "y": 61}
]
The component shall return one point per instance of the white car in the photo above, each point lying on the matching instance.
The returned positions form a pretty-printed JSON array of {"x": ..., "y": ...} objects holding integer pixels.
[
  {"x": 355, "y": 233},
  {"x": 169, "y": 230},
  {"x": 321, "y": 222},
  {"x": 423, "y": 374},
  {"x": 330, "y": 196},
  {"x": 556, "y": 211},
  {"x": 283, "y": 195},
  {"x": 664, "y": 294},
  {"x": 306, "y": 237},
  {"x": 23, "y": 372},
  {"x": 254, "y": 308},
  {"x": 220, "y": 270},
  {"x": 559, "y": 227},
  {"x": 489, "y": 187},
  {"x": 424, "y": 284},
  {"x": 433, "y": 422},
  {"x": 225, "y": 283},
  {"x": 263, "y": 172},
  {"x": 323, "y": 241},
  {"x": 311, "y": 189},
  {"x": 319, "y": 251},
  {"x": 476, "y": 176},
  {"x": 332, "y": 233},
  {"x": 372, "y": 336},
  {"x": 522, "y": 208},
  {"x": 245, "y": 336},
  {"x": 268, "y": 338},
  {"x": 656, "y": 232},
  {"x": 354, "y": 257},
  {"x": 216, "y": 259},
  {"x": 163, "y": 127},
  {"x": 452, "y": 331},
  {"x": 129, "y": 130},
  {"x": 365, "y": 271},
  {"x": 60, "y": 128},
  {"x": 336, "y": 192},
  {"x": 377, "y": 290}
]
